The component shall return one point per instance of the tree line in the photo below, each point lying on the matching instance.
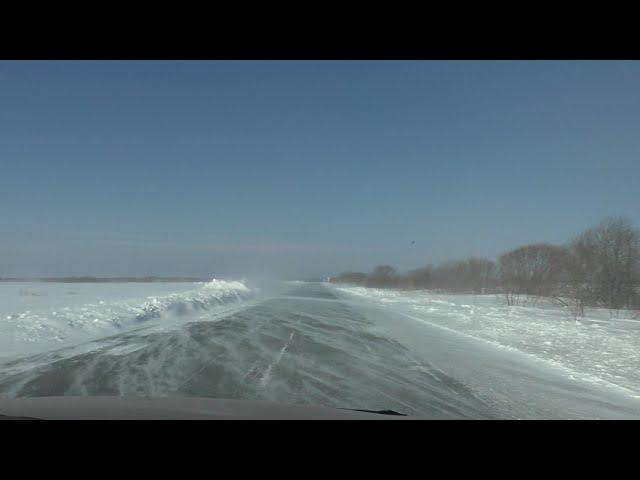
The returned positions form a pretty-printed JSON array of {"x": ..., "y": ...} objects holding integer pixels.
[{"x": 599, "y": 267}]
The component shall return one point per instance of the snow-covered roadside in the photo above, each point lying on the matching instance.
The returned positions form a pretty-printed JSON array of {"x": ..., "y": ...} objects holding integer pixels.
[
  {"x": 601, "y": 347},
  {"x": 36, "y": 317}
]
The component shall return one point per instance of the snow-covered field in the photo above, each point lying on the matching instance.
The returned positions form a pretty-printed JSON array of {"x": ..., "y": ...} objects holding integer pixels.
[
  {"x": 37, "y": 316},
  {"x": 603, "y": 347}
]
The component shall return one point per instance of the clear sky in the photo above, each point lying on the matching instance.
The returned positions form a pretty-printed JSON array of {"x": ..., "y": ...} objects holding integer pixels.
[{"x": 306, "y": 168}]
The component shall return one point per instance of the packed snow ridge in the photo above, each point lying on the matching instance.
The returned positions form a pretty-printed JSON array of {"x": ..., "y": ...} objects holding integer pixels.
[{"x": 35, "y": 315}]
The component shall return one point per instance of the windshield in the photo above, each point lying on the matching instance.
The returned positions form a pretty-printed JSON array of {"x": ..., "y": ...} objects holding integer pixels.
[{"x": 440, "y": 239}]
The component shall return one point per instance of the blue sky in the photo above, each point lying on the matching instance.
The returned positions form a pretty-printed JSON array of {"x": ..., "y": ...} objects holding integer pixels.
[{"x": 306, "y": 168}]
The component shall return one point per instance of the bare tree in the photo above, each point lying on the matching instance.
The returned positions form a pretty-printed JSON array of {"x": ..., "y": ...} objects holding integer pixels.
[
  {"x": 600, "y": 267},
  {"x": 532, "y": 270},
  {"x": 481, "y": 274},
  {"x": 605, "y": 265},
  {"x": 382, "y": 276},
  {"x": 419, "y": 278},
  {"x": 473, "y": 275}
]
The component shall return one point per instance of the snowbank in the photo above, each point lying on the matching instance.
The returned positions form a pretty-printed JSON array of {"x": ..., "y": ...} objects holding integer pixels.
[
  {"x": 602, "y": 347},
  {"x": 36, "y": 316}
]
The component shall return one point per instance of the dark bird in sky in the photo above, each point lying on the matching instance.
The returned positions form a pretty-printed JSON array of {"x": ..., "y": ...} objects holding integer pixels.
[{"x": 413, "y": 242}]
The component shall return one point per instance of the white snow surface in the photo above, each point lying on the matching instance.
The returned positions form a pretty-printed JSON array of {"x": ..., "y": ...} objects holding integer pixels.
[
  {"x": 603, "y": 347},
  {"x": 40, "y": 316}
]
